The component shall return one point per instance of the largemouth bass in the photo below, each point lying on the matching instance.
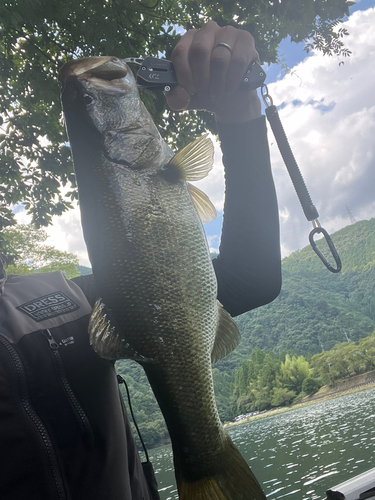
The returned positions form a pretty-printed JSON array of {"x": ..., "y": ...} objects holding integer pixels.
[{"x": 142, "y": 226}]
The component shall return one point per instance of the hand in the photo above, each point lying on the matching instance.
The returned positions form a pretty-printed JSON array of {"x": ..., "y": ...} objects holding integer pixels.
[{"x": 209, "y": 75}]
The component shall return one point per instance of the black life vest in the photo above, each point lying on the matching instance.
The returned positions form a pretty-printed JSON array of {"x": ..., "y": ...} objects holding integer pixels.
[{"x": 64, "y": 433}]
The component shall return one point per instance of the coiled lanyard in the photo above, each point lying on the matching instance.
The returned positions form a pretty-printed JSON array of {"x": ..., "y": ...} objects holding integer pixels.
[{"x": 308, "y": 207}]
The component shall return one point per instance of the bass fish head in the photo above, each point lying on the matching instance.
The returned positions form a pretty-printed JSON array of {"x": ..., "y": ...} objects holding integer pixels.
[{"x": 101, "y": 102}]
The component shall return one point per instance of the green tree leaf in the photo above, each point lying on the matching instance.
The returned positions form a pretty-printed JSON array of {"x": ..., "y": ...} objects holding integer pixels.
[
  {"x": 28, "y": 253},
  {"x": 37, "y": 38}
]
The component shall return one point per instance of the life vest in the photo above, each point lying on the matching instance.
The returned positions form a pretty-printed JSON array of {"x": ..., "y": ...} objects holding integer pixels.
[{"x": 64, "y": 433}]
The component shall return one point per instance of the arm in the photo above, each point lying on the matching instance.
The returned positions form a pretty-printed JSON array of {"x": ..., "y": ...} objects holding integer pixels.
[
  {"x": 248, "y": 268},
  {"x": 88, "y": 287}
]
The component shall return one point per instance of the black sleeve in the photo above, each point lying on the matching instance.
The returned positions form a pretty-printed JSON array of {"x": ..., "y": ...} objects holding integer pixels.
[
  {"x": 88, "y": 287},
  {"x": 248, "y": 267}
]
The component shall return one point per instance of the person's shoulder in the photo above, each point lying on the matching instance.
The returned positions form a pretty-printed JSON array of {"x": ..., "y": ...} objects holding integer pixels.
[
  {"x": 38, "y": 284},
  {"x": 29, "y": 279}
]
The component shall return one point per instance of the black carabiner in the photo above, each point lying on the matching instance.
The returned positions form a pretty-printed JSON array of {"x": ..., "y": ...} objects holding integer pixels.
[{"x": 329, "y": 241}]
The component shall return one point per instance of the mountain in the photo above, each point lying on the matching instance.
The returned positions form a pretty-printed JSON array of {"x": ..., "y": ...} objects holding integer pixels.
[
  {"x": 83, "y": 270},
  {"x": 315, "y": 309}
]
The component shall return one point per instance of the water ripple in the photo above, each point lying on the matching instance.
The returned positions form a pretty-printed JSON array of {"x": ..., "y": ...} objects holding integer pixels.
[{"x": 301, "y": 453}]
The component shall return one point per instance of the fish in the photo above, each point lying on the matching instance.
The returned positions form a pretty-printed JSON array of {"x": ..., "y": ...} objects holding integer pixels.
[{"x": 142, "y": 224}]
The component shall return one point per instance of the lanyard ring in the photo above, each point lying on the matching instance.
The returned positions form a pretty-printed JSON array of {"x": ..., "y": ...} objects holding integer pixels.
[{"x": 319, "y": 229}]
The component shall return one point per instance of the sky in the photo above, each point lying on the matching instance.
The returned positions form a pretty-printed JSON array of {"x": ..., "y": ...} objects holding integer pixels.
[{"x": 328, "y": 113}]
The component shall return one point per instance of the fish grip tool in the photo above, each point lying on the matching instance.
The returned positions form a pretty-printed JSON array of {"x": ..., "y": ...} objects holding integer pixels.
[
  {"x": 158, "y": 74},
  {"x": 308, "y": 207}
]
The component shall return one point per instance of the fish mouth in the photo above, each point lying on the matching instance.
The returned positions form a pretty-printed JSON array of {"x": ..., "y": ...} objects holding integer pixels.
[
  {"x": 103, "y": 72},
  {"x": 103, "y": 67}
]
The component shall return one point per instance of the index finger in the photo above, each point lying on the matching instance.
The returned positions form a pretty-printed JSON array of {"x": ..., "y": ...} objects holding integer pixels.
[
  {"x": 181, "y": 64},
  {"x": 243, "y": 54}
]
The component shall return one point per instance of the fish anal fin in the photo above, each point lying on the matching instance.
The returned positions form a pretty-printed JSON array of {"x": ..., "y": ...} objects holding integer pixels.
[
  {"x": 194, "y": 161},
  {"x": 227, "y": 335},
  {"x": 105, "y": 340},
  {"x": 202, "y": 203}
]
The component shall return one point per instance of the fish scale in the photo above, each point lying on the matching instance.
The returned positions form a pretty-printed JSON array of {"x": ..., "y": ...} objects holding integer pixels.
[{"x": 149, "y": 255}]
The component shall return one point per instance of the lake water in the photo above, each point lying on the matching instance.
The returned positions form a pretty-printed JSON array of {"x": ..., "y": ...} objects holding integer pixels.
[{"x": 301, "y": 453}]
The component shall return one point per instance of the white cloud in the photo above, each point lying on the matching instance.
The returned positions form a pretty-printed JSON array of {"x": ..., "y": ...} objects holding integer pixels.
[
  {"x": 213, "y": 184},
  {"x": 213, "y": 243},
  {"x": 328, "y": 114},
  {"x": 66, "y": 234}
]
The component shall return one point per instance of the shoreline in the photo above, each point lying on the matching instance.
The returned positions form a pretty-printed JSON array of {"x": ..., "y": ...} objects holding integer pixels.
[{"x": 312, "y": 400}]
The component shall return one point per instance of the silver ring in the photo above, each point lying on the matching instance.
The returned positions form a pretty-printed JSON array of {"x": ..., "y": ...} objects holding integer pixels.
[{"x": 223, "y": 44}]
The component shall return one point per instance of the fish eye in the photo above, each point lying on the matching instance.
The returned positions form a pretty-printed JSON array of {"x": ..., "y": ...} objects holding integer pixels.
[{"x": 87, "y": 99}]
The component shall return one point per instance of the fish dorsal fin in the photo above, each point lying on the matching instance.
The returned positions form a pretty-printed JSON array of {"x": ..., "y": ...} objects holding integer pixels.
[
  {"x": 195, "y": 160},
  {"x": 227, "y": 335},
  {"x": 202, "y": 203}
]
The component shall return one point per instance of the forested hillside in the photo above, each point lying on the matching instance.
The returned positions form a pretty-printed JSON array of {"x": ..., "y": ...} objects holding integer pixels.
[
  {"x": 268, "y": 380},
  {"x": 315, "y": 311}
]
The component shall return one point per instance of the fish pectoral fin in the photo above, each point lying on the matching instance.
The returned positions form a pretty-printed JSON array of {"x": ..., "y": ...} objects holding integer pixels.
[
  {"x": 194, "y": 161},
  {"x": 227, "y": 335},
  {"x": 202, "y": 203},
  {"x": 105, "y": 340}
]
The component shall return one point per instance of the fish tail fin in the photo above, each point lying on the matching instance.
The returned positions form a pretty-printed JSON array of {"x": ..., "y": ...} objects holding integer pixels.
[{"x": 233, "y": 480}]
